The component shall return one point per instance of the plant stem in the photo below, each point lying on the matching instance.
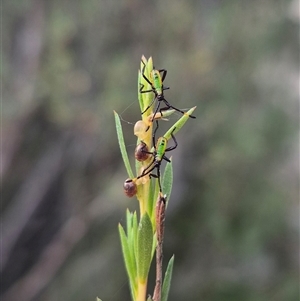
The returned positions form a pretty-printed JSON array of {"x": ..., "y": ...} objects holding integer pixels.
[
  {"x": 160, "y": 225},
  {"x": 142, "y": 291},
  {"x": 157, "y": 289}
]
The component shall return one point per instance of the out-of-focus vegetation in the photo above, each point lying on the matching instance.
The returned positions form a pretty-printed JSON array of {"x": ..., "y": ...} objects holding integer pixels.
[{"x": 232, "y": 220}]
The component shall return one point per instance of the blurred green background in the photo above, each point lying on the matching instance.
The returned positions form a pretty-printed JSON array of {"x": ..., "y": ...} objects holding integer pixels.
[{"x": 233, "y": 217}]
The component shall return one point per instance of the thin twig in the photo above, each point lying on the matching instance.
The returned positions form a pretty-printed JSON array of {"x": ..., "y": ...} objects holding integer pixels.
[{"x": 160, "y": 225}]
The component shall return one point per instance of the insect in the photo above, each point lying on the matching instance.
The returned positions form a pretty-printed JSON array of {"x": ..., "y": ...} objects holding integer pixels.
[
  {"x": 158, "y": 156},
  {"x": 156, "y": 82}
]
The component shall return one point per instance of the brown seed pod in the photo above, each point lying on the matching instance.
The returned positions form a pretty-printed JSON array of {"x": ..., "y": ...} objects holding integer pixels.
[
  {"x": 130, "y": 188},
  {"x": 141, "y": 152}
]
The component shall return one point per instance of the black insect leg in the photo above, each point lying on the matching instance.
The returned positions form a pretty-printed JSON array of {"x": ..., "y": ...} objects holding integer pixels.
[
  {"x": 175, "y": 142},
  {"x": 157, "y": 177},
  {"x": 169, "y": 106},
  {"x": 164, "y": 74},
  {"x": 154, "y": 133},
  {"x": 156, "y": 110},
  {"x": 145, "y": 173},
  {"x": 145, "y": 91}
]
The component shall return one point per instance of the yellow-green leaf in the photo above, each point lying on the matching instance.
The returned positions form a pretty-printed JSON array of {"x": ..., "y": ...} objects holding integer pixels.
[
  {"x": 167, "y": 280},
  {"x": 122, "y": 145}
]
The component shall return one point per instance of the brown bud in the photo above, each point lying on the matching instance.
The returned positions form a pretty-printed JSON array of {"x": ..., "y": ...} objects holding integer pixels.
[
  {"x": 130, "y": 188},
  {"x": 141, "y": 152}
]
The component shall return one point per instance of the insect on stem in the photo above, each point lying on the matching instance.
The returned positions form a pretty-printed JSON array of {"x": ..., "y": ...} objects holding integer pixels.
[{"x": 155, "y": 81}]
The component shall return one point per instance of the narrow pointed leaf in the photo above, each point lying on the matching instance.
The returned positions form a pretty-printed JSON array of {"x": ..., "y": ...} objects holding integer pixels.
[
  {"x": 129, "y": 261},
  {"x": 161, "y": 115},
  {"x": 167, "y": 180},
  {"x": 151, "y": 199},
  {"x": 134, "y": 231},
  {"x": 144, "y": 247},
  {"x": 131, "y": 220},
  {"x": 179, "y": 124},
  {"x": 122, "y": 145},
  {"x": 145, "y": 99},
  {"x": 129, "y": 216},
  {"x": 140, "y": 94},
  {"x": 167, "y": 280}
]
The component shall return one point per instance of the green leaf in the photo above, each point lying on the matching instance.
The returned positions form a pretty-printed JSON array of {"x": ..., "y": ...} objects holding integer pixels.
[
  {"x": 166, "y": 113},
  {"x": 167, "y": 180},
  {"x": 151, "y": 200},
  {"x": 144, "y": 247},
  {"x": 145, "y": 99},
  {"x": 129, "y": 225},
  {"x": 167, "y": 280},
  {"x": 129, "y": 261},
  {"x": 122, "y": 145},
  {"x": 133, "y": 247},
  {"x": 179, "y": 124},
  {"x": 140, "y": 94},
  {"x": 98, "y": 299}
]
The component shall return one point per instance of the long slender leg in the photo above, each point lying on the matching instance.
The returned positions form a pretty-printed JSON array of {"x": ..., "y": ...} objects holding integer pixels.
[
  {"x": 171, "y": 147},
  {"x": 164, "y": 74},
  {"x": 158, "y": 176},
  {"x": 144, "y": 76},
  {"x": 145, "y": 91},
  {"x": 153, "y": 135},
  {"x": 149, "y": 108},
  {"x": 169, "y": 106},
  {"x": 156, "y": 110},
  {"x": 166, "y": 158},
  {"x": 148, "y": 169},
  {"x": 148, "y": 172},
  {"x": 175, "y": 141}
]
